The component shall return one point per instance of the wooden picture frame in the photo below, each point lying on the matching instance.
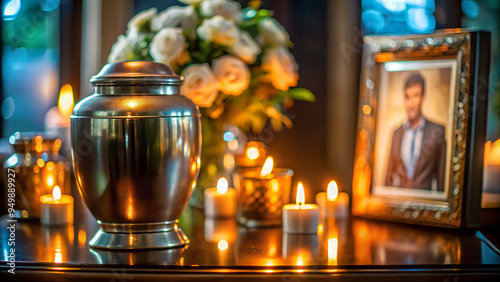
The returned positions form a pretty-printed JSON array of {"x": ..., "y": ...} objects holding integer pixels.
[{"x": 422, "y": 127}]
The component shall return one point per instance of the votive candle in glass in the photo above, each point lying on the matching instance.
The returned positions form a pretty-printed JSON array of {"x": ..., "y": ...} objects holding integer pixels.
[{"x": 261, "y": 193}]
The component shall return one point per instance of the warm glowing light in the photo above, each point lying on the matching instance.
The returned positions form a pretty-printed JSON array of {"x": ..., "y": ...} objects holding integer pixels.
[
  {"x": 222, "y": 185},
  {"x": 300, "y": 199},
  {"x": 50, "y": 181},
  {"x": 39, "y": 148},
  {"x": 333, "y": 244},
  {"x": 333, "y": 190},
  {"x": 82, "y": 237},
  {"x": 367, "y": 110},
  {"x": 56, "y": 193},
  {"x": 267, "y": 168},
  {"x": 269, "y": 262},
  {"x": 66, "y": 101},
  {"x": 320, "y": 228},
  {"x": 492, "y": 153},
  {"x": 58, "y": 256},
  {"x": 132, "y": 104},
  {"x": 50, "y": 165},
  {"x": 300, "y": 261},
  {"x": 40, "y": 162},
  {"x": 233, "y": 144},
  {"x": 130, "y": 207},
  {"x": 223, "y": 245},
  {"x": 57, "y": 144},
  {"x": 253, "y": 153},
  {"x": 272, "y": 251},
  {"x": 38, "y": 139},
  {"x": 228, "y": 161}
]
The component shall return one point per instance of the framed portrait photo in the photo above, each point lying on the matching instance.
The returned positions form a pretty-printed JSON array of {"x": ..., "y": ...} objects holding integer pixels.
[{"x": 422, "y": 127}]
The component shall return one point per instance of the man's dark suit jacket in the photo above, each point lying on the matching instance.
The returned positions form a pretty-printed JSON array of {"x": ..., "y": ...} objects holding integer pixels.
[{"x": 430, "y": 165}]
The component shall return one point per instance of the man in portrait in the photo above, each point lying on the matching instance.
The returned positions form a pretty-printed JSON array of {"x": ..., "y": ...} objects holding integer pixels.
[{"x": 418, "y": 150}]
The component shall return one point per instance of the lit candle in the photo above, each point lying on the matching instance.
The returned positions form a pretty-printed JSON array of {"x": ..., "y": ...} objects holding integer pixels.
[
  {"x": 300, "y": 218},
  {"x": 57, "y": 119},
  {"x": 220, "y": 201},
  {"x": 262, "y": 193},
  {"x": 57, "y": 209},
  {"x": 332, "y": 203}
]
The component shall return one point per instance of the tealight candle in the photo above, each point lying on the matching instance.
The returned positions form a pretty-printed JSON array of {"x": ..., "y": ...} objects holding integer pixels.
[
  {"x": 56, "y": 209},
  {"x": 300, "y": 218},
  {"x": 332, "y": 203},
  {"x": 220, "y": 201}
]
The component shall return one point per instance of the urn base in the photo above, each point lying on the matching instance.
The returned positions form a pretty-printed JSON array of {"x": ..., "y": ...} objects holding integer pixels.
[{"x": 161, "y": 235}]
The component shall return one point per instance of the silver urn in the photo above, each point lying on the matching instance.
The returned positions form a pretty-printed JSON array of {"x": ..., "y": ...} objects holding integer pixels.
[{"x": 135, "y": 145}]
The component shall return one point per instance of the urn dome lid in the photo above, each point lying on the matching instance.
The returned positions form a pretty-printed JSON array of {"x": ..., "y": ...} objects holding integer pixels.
[{"x": 136, "y": 72}]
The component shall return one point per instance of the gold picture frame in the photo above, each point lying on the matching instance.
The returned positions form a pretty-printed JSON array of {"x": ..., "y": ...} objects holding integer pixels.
[{"x": 462, "y": 58}]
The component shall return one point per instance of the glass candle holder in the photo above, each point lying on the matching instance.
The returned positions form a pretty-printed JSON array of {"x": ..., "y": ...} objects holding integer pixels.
[
  {"x": 260, "y": 198},
  {"x": 253, "y": 155},
  {"x": 37, "y": 167}
]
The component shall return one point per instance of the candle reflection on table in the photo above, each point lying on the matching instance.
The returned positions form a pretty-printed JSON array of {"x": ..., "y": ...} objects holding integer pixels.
[
  {"x": 57, "y": 242},
  {"x": 377, "y": 243},
  {"x": 220, "y": 229},
  {"x": 299, "y": 248}
]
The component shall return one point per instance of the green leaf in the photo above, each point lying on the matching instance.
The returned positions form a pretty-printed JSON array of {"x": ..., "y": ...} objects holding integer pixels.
[{"x": 301, "y": 94}]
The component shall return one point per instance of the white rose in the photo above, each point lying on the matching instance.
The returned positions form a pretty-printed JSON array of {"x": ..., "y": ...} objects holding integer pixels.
[
  {"x": 190, "y": 2},
  {"x": 228, "y": 9},
  {"x": 176, "y": 16},
  {"x": 272, "y": 33},
  {"x": 233, "y": 74},
  {"x": 167, "y": 45},
  {"x": 219, "y": 30},
  {"x": 282, "y": 68},
  {"x": 121, "y": 51},
  {"x": 246, "y": 48},
  {"x": 200, "y": 85},
  {"x": 139, "y": 20}
]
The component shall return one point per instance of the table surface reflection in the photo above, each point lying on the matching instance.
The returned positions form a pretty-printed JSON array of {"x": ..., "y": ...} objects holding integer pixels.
[{"x": 223, "y": 246}]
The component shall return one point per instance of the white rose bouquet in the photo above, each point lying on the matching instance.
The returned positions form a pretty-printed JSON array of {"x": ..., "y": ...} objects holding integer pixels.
[{"x": 236, "y": 63}]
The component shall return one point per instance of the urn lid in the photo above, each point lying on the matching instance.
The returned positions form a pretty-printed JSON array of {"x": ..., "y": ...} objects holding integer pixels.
[
  {"x": 136, "y": 72},
  {"x": 135, "y": 89}
]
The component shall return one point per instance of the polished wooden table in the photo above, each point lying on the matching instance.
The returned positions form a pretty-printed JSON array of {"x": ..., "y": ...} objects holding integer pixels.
[{"x": 349, "y": 250}]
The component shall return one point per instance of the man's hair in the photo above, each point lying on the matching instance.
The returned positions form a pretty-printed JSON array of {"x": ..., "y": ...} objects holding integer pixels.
[{"x": 414, "y": 80}]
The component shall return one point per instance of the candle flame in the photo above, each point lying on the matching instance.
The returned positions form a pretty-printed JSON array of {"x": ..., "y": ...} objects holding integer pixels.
[
  {"x": 50, "y": 180},
  {"x": 223, "y": 245},
  {"x": 58, "y": 256},
  {"x": 222, "y": 185},
  {"x": 492, "y": 153},
  {"x": 66, "y": 101},
  {"x": 300, "y": 194},
  {"x": 253, "y": 153},
  {"x": 56, "y": 193},
  {"x": 267, "y": 168},
  {"x": 333, "y": 190},
  {"x": 300, "y": 261}
]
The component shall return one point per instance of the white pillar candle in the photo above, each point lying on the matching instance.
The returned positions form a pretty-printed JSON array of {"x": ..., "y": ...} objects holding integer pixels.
[
  {"x": 220, "y": 201},
  {"x": 57, "y": 209},
  {"x": 300, "y": 218},
  {"x": 332, "y": 203}
]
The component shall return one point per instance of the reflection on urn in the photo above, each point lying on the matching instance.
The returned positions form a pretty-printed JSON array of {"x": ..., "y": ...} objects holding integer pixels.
[{"x": 136, "y": 150}]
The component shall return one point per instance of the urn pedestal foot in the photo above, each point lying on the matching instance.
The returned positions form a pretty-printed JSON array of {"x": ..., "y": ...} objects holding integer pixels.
[{"x": 163, "y": 235}]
